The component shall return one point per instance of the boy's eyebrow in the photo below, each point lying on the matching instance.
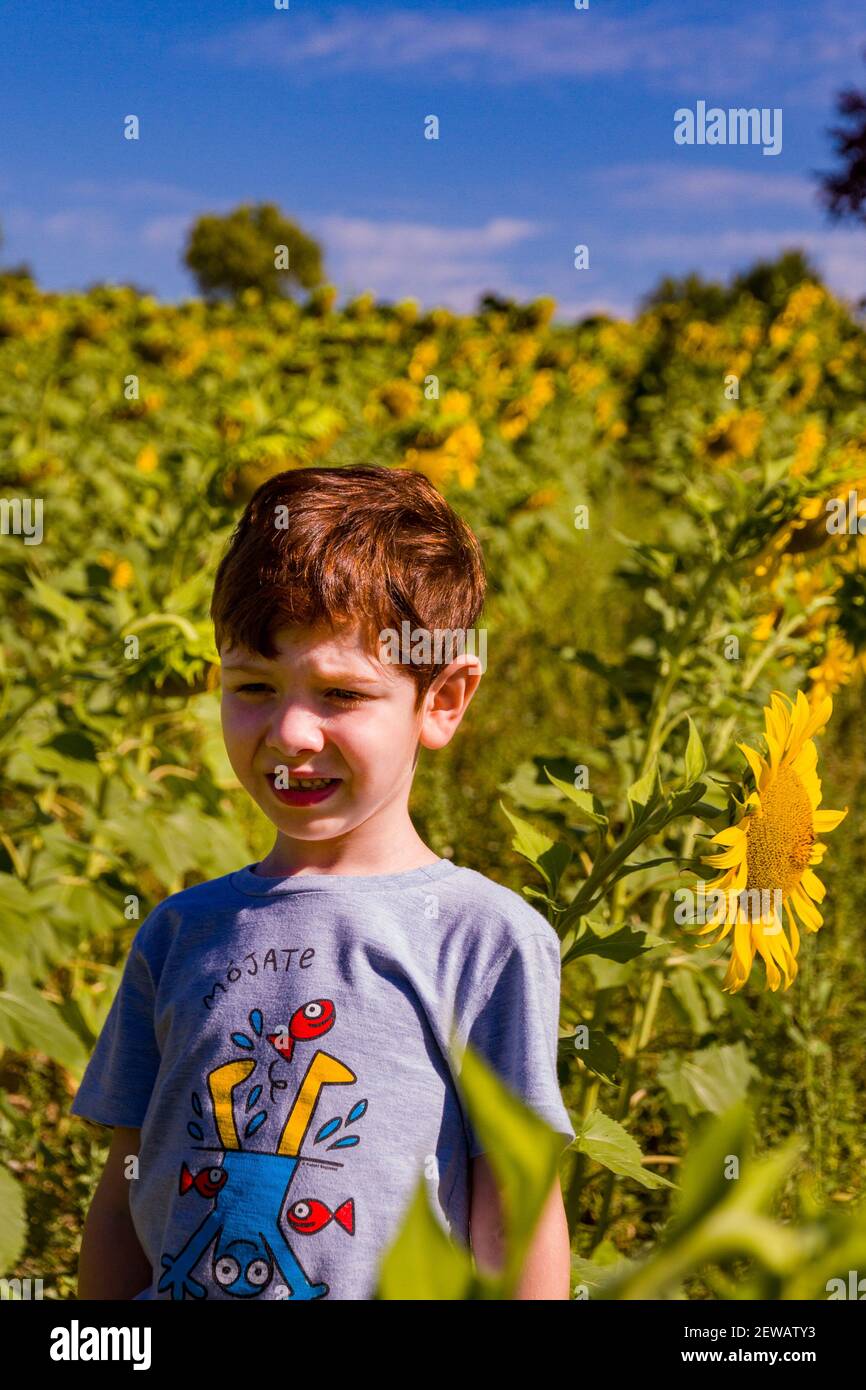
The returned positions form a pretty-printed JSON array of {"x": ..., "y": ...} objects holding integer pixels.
[{"x": 259, "y": 669}]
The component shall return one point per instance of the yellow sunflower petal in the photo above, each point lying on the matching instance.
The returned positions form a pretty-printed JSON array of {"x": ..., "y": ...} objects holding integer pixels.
[
  {"x": 812, "y": 885},
  {"x": 819, "y": 715},
  {"x": 732, "y": 836},
  {"x": 777, "y": 725},
  {"x": 742, "y": 956},
  {"x": 728, "y": 858},
  {"x": 755, "y": 761},
  {"x": 777, "y": 955},
  {"x": 828, "y": 820},
  {"x": 795, "y": 935},
  {"x": 806, "y": 910}
]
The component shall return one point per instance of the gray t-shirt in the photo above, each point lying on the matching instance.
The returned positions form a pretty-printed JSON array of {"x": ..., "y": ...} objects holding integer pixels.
[{"x": 282, "y": 1043}]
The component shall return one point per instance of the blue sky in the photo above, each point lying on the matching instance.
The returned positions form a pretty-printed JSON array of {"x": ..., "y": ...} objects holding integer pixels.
[{"x": 556, "y": 128}]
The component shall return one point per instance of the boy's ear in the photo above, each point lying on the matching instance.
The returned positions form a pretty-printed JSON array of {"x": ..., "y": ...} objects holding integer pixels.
[{"x": 447, "y": 701}]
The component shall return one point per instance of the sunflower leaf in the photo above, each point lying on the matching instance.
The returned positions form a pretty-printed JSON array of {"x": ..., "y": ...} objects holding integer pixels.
[
  {"x": 589, "y": 806},
  {"x": 550, "y": 857},
  {"x": 646, "y": 793},
  {"x": 621, "y": 945},
  {"x": 696, "y": 758}
]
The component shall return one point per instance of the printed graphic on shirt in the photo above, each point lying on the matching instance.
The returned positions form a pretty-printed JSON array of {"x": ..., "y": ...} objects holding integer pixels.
[{"x": 247, "y": 1190}]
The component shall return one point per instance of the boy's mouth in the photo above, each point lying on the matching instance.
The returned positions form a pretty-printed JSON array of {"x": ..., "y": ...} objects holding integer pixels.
[{"x": 302, "y": 791}]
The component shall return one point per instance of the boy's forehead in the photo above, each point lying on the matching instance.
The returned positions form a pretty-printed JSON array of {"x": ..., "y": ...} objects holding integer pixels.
[{"x": 321, "y": 647}]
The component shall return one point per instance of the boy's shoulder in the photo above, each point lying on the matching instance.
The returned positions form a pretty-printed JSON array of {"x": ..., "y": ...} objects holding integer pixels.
[
  {"x": 498, "y": 911},
  {"x": 166, "y": 917}
]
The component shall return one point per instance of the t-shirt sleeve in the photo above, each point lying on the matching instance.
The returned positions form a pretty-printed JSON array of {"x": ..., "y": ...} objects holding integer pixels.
[
  {"x": 119, "y": 1078},
  {"x": 516, "y": 1029}
]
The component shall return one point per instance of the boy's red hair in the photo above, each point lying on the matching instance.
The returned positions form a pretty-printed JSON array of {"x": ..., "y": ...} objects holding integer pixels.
[{"x": 366, "y": 544}]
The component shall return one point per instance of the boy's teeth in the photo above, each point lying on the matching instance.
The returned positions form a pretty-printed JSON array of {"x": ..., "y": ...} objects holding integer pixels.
[{"x": 308, "y": 783}]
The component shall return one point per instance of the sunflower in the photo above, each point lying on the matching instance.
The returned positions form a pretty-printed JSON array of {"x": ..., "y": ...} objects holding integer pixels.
[{"x": 772, "y": 848}]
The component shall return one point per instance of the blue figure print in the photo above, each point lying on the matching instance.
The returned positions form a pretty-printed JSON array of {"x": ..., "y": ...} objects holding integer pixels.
[{"x": 248, "y": 1189}]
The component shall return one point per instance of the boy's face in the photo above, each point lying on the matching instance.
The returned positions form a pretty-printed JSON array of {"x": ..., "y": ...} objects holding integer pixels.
[{"x": 326, "y": 707}]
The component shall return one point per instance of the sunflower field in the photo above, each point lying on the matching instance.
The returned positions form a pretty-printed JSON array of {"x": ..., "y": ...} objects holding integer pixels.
[{"x": 665, "y": 755}]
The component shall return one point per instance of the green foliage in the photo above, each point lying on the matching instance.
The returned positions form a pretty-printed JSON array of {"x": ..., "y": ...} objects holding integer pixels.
[
  {"x": 239, "y": 252},
  {"x": 608, "y": 653}
]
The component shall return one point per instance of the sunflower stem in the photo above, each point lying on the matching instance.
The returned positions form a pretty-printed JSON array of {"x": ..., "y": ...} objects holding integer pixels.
[{"x": 643, "y": 1019}]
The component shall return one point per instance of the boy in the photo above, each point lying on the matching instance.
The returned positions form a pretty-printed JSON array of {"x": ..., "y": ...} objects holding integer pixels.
[{"x": 277, "y": 1049}]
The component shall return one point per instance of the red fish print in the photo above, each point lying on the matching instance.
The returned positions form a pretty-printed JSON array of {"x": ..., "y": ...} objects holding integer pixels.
[
  {"x": 207, "y": 1182},
  {"x": 308, "y": 1022},
  {"x": 310, "y": 1215}
]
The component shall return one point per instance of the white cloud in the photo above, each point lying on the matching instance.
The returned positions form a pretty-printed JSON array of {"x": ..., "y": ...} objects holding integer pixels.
[
  {"x": 838, "y": 254},
  {"x": 169, "y": 230},
  {"x": 524, "y": 43},
  {"x": 89, "y": 227},
  {"x": 663, "y": 186},
  {"x": 134, "y": 191},
  {"x": 442, "y": 265}
]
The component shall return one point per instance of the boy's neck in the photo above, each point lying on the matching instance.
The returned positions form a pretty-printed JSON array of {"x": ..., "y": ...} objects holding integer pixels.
[{"x": 289, "y": 858}]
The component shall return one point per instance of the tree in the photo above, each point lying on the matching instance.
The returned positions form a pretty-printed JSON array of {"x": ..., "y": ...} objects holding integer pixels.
[
  {"x": 843, "y": 193},
  {"x": 770, "y": 282},
  {"x": 253, "y": 247}
]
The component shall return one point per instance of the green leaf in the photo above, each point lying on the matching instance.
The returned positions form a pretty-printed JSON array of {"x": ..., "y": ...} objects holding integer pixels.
[
  {"x": 696, "y": 758},
  {"x": 592, "y": 1275},
  {"x": 621, "y": 945},
  {"x": 528, "y": 841},
  {"x": 646, "y": 793},
  {"x": 29, "y": 1023},
  {"x": 69, "y": 613},
  {"x": 423, "y": 1262},
  {"x": 589, "y": 806},
  {"x": 703, "y": 1181},
  {"x": 600, "y": 1055},
  {"x": 685, "y": 989},
  {"x": 521, "y": 1148},
  {"x": 551, "y": 858},
  {"x": 164, "y": 620},
  {"x": 13, "y": 1220},
  {"x": 712, "y": 1079},
  {"x": 606, "y": 1142}
]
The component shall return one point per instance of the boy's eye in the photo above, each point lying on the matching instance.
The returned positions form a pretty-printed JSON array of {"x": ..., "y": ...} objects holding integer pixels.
[
  {"x": 257, "y": 685},
  {"x": 347, "y": 697}
]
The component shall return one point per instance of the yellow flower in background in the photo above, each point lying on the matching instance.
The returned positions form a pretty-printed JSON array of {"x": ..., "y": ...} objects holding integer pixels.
[
  {"x": 520, "y": 412},
  {"x": 765, "y": 624},
  {"x": 604, "y": 408},
  {"x": 407, "y": 310},
  {"x": 456, "y": 457},
  {"x": 423, "y": 358},
  {"x": 584, "y": 376},
  {"x": 524, "y": 349},
  {"x": 147, "y": 460},
  {"x": 456, "y": 403},
  {"x": 732, "y": 436},
  {"x": 805, "y": 346},
  {"x": 835, "y": 668},
  {"x": 398, "y": 398},
  {"x": 122, "y": 575},
  {"x": 514, "y": 425},
  {"x": 701, "y": 340},
  {"x": 770, "y": 851},
  {"x": 802, "y": 303},
  {"x": 751, "y": 335},
  {"x": 809, "y": 445}
]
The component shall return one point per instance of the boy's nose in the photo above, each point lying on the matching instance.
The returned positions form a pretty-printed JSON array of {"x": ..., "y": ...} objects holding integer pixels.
[{"x": 295, "y": 730}]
